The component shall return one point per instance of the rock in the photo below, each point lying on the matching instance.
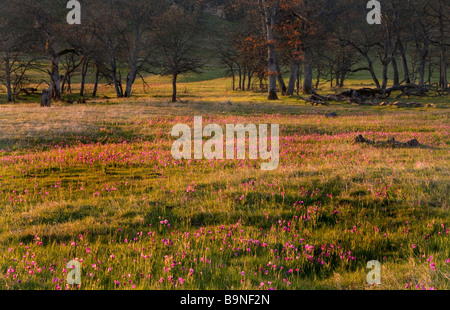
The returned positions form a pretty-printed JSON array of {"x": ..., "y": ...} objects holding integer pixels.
[
  {"x": 331, "y": 114},
  {"x": 360, "y": 139},
  {"x": 412, "y": 143}
]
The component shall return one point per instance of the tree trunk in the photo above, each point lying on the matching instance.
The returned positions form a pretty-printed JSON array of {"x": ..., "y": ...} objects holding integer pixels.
[
  {"x": 66, "y": 80},
  {"x": 385, "y": 75},
  {"x": 55, "y": 79},
  {"x": 318, "y": 78},
  {"x": 422, "y": 66},
  {"x": 430, "y": 70},
  {"x": 386, "y": 61},
  {"x": 308, "y": 74},
  {"x": 69, "y": 84},
  {"x": 342, "y": 77},
  {"x": 271, "y": 58},
  {"x": 234, "y": 81},
  {"x": 422, "y": 49},
  {"x": 119, "y": 85},
  {"x": 365, "y": 54},
  {"x": 84, "y": 69},
  {"x": 402, "y": 52},
  {"x": 372, "y": 71},
  {"x": 8, "y": 80},
  {"x": 249, "y": 82},
  {"x": 46, "y": 98},
  {"x": 55, "y": 85},
  {"x": 130, "y": 81},
  {"x": 396, "y": 75},
  {"x": 331, "y": 79},
  {"x": 116, "y": 82},
  {"x": 240, "y": 77},
  {"x": 133, "y": 62},
  {"x": 97, "y": 77},
  {"x": 293, "y": 77},
  {"x": 443, "y": 81},
  {"x": 443, "y": 61},
  {"x": 174, "y": 87},
  {"x": 281, "y": 80},
  {"x": 63, "y": 85}
]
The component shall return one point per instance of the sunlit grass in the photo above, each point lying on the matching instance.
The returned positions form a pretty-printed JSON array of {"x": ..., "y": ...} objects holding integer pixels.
[{"x": 97, "y": 182}]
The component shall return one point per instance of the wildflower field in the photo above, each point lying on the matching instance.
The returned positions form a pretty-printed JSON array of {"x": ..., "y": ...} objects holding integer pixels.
[{"x": 97, "y": 183}]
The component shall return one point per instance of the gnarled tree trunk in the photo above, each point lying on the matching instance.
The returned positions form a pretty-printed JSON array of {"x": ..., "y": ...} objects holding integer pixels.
[
  {"x": 46, "y": 98},
  {"x": 55, "y": 84}
]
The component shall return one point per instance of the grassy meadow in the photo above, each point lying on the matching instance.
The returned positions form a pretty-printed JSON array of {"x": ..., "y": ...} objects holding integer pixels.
[{"x": 97, "y": 183}]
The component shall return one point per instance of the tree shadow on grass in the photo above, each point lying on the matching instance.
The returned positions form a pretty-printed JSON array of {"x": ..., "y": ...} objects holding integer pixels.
[{"x": 42, "y": 141}]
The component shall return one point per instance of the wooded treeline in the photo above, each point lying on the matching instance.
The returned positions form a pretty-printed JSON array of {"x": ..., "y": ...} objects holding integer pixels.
[
  {"x": 279, "y": 46},
  {"x": 327, "y": 40}
]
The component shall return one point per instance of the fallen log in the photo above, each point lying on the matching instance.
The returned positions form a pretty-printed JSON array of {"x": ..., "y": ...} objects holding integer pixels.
[
  {"x": 362, "y": 93},
  {"x": 418, "y": 92},
  {"x": 336, "y": 98},
  {"x": 391, "y": 142},
  {"x": 400, "y": 104},
  {"x": 317, "y": 99},
  {"x": 28, "y": 91}
]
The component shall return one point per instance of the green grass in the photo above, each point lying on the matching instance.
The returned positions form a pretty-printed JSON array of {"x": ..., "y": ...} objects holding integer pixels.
[{"x": 77, "y": 180}]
